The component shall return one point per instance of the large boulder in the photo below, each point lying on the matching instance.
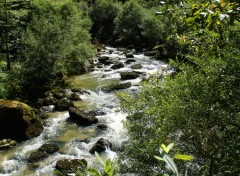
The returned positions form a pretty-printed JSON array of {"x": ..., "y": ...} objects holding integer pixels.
[
  {"x": 67, "y": 166},
  {"x": 129, "y": 55},
  {"x": 103, "y": 59},
  {"x": 136, "y": 66},
  {"x": 74, "y": 97},
  {"x": 49, "y": 148},
  {"x": 118, "y": 86},
  {"x": 64, "y": 104},
  {"x": 37, "y": 156},
  {"x": 18, "y": 121},
  {"x": 129, "y": 75},
  {"x": 129, "y": 61},
  {"x": 43, "y": 152},
  {"x": 100, "y": 146},
  {"x": 82, "y": 118},
  {"x": 117, "y": 65}
]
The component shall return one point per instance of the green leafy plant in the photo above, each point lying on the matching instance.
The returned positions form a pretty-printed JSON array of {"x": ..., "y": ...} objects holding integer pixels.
[
  {"x": 110, "y": 167},
  {"x": 164, "y": 151}
]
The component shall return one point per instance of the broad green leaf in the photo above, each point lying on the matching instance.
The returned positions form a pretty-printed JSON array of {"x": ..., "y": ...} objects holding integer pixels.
[
  {"x": 190, "y": 20},
  {"x": 183, "y": 157},
  {"x": 99, "y": 159},
  {"x": 164, "y": 174},
  {"x": 171, "y": 163},
  {"x": 169, "y": 147},
  {"x": 114, "y": 167},
  {"x": 163, "y": 146},
  {"x": 197, "y": 12},
  {"x": 108, "y": 166},
  {"x": 93, "y": 172},
  {"x": 159, "y": 158}
]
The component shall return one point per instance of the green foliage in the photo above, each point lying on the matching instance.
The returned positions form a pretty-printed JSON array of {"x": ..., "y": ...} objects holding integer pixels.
[
  {"x": 56, "y": 41},
  {"x": 198, "y": 107},
  {"x": 12, "y": 24},
  {"x": 103, "y": 14},
  {"x": 9, "y": 84},
  {"x": 110, "y": 168},
  {"x": 128, "y": 23},
  {"x": 152, "y": 28},
  {"x": 164, "y": 151}
]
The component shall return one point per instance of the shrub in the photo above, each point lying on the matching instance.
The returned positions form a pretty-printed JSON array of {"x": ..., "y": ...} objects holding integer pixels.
[
  {"x": 198, "y": 108},
  {"x": 56, "y": 41},
  {"x": 103, "y": 14},
  {"x": 128, "y": 23}
]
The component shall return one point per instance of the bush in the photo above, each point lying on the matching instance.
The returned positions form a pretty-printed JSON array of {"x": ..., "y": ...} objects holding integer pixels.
[
  {"x": 56, "y": 41},
  {"x": 103, "y": 14},
  {"x": 152, "y": 29},
  {"x": 128, "y": 23},
  {"x": 198, "y": 108}
]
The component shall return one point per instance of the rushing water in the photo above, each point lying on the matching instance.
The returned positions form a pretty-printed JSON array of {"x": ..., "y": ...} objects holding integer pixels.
[{"x": 69, "y": 136}]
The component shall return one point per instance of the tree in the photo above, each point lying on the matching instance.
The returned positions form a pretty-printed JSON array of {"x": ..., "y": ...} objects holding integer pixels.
[
  {"x": 12, "y": 26},
  {"x": 57, "y": 43},
  {"x": 197, "y": 107},
  {"x": 103, "y": 14}
]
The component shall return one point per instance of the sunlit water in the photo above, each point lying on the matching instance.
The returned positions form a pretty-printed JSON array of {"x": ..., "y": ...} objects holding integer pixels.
[{"x": 69, "y": 136}]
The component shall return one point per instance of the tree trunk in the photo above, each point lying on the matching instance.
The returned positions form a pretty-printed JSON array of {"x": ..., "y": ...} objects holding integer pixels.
[{"x": 6, "y": 37}]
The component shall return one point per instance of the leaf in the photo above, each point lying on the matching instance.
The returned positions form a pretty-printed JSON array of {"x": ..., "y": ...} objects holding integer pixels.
[
  {"x": 108, "y": 166},
  {"x": 159, "y": 158},
  {"x": 190, "y": 20},
  {"x": 99, "y": 159},
  {"x": 114, "y": 167},
  {"x": 163, "y": 146},
  {"x": 183, "y": 157},
  {"x": 93, "y": 172},
  {"x": 171, "y": 163},
  {"x": 169, "y": 147}
]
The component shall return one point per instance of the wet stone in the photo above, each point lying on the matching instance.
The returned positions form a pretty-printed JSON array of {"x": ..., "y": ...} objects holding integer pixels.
[
  {"x": 129, "y": 75},
  {"x": 49, "y": 148},
  {"x": 7, "y": 143},
  {"x": 102, "y": 126},
  {"x": 75, "y": 97},
  {"x": 130, "y": 61},
  {"x": 37, "y": 156},
  {"x": 67, "y": 166},
  {"x": 117, "y": 65},
  {"x": 81, "y": 118},
  {"x": 129, "y": 56},
  {"x": 136, "y": 66},
  {"x": 100, "y": 146}
]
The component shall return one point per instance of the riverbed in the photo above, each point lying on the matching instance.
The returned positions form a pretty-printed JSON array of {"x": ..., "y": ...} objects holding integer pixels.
[{"x": 75, "y": 141}]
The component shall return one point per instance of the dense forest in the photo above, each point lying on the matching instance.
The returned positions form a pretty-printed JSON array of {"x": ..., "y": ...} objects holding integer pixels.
[{"x": 197, "y": 107}]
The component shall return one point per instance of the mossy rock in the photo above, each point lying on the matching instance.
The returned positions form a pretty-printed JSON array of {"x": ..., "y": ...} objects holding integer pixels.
[
  {"x": 136, "y": 66},
  {"x": 117, "y": 65},
  {"x": 18, "y": 121},
  {"x": 118, "y": 86},
  {"x": 129, "y": 75}
]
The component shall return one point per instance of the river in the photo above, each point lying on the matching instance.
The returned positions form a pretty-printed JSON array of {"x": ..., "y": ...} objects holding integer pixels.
[{"x": 75, "y": 141}]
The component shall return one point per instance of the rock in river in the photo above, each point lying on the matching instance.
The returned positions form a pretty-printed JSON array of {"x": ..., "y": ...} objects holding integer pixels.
[
  {"x": 18, "y": 121},
  {"x": 100, "y": 146},
  {"x": 7, "y": 143},
  {"x": 117, "y": 65},
  {"x": 129, "y": 75},
  {"x": 67, "y": 166},
  {"x": 118, "y": 86},
  {"x": 81, "y": 117},
  {"x": 43, "y": 152}
]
